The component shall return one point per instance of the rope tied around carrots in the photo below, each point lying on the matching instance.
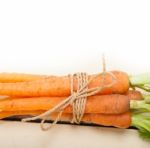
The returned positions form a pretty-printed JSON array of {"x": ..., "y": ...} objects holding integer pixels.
[
  {"x": 78, "y": 105},
  {"x": 77, "y": 99}
]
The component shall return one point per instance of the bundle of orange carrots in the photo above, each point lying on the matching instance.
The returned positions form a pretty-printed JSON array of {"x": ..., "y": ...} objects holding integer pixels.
[{"x": 120, "y": 105}]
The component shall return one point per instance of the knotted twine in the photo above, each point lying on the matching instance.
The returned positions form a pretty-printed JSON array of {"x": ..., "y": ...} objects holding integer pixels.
[{"x": 77, "y": 99}]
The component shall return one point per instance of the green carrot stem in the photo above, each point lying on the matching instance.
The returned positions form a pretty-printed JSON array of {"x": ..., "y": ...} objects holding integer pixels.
[
  {"x": 142, "y": 81},
  {"x": 141, "y": 105},
  {"x": 147, "y": 98},
  {"x": 142, "y": 122}
]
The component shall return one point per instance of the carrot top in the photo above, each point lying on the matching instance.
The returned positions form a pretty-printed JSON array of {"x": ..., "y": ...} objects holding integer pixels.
[
  {"x": 141, "y": 81},
  {"x": 141, "y": 116}
]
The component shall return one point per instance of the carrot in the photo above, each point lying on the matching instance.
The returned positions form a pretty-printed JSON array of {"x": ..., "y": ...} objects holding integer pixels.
[
  {"x": 5, "y": 114},
  {"x": 60, "y": 86},
  {"x": 108, "y": 104},
  {"x": 119, "y": 120},
  {"x": 18, "y": 77},
  {"x": 134, "y": 95},
  {"x": 131, "y": 94}
]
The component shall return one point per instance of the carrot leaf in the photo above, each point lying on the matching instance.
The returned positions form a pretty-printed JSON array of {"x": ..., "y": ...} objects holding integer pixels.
[
  {"x": 147, "y": 98},
  {"x": 141, "y": 81},
  {"x": 140, "y": 105},
  {"x": 142, "y": 123}
]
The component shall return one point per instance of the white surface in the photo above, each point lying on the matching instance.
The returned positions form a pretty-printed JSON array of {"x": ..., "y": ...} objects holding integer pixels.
[
  {"x": 61, "y": 37},
  {"x": 27, "y": 135}
]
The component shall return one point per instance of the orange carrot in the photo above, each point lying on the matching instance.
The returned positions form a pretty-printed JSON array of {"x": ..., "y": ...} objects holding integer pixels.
[
  {"x": 60, "y": 86},
  {"x": 131, "y": 94},
  {"x": 134, "y": 95},
  {"x": 18, "y": 77},
  {"x": 108, "y": 104},
  {"x": 119, "y": 120},
  {"x": 5, "y": 114}
]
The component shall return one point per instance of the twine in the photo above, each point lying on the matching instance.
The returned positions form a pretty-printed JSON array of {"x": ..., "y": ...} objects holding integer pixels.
[
  {"x": 77, "y": 99},
  {"x": 78, "y": 105}
]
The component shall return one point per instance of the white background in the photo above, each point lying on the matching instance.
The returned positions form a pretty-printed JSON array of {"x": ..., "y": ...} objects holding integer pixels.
[
  {"x": 61, "y": 37},
  {"x": 58, "y": 37}
]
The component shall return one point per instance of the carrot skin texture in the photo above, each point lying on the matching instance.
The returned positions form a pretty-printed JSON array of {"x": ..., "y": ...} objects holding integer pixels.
[
  {"x": 134, "y": 95},
  {"x": 60, "y": 86},
  {"x": 18, "y": 77},
  {"x": 108, "y": 104},
  {"x": 119, "y": 120}
]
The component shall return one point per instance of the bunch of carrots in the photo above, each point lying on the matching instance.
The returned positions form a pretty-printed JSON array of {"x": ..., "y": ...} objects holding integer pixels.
[{"x": 118, "y": 106}]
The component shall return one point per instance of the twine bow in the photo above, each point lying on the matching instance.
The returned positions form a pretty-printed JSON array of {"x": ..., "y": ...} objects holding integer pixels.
[{"x": 77, "y": 99}]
